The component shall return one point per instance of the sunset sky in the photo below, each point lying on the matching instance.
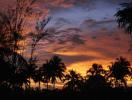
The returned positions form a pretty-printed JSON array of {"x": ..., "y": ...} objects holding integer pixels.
[{"x": 86, "y": 30}]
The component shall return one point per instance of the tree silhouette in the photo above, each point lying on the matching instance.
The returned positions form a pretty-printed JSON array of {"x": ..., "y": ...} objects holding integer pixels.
[
  {"x": 54, "y": 69},
  {"x": 74, "y": 81},
  {"x": 95, "y": 78},
  {"x": 58, "y": 69},
  {"x": 12, "y": 25},
  {"x": 38, "y": 35},
  {"x": 95, "y": 83},
  {"x": 46, "y": 69},
  {"x": 120, "y": 69},
  {"x": 5, "y": 69},
  {"x": 38, "y": 76},
  {"x": 16, "y": 74},
  {"x": 95, "y": 70},
  {"x": 30, "y": 72},
  {"x": 124, "y": 17},
  {"x": 19, "y": 73}
]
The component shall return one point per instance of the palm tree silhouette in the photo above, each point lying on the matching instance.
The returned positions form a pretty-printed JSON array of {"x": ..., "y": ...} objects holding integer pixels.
[
  {"x": 57, "y": 70},
  {"x": 74, "y": 81},
  {"x": 96, "y": 69},
  {"x": 96, "y": 82},
  {"x": 95, "y": 78},
  {"x": 5, "y": 69},
  {"x": 19, "y": 72},
  {"x": 36, "y": 37},
  {"x": 53, "y": 69},
  {"x": 38, "y": 76},
  {"x": 30, "y": 72},
  {"x": 120, "y": 69},
  {"x": 46, "y": 69},
  {"x": 124, "y": 17}
]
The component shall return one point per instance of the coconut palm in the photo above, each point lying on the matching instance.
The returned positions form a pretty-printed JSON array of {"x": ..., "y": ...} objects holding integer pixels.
[
  {"x": 16, "y": 73},
  {"x": 46, "y": 69},
  {"x": 54, "y": 69},
  {"x": 38, "y": 76},
  {"x": 19, "y": 71},
  {"x": 36, "y": 37},
  {"x": 124, "y": 17},
  {"x": 57, "y": 70},
  {"x": 5, "y": 69},
  {"x": 73, "y": 81},
  {"x": 119, "y": 70},
  {"x": 95, "y": 78},
  {"x": 95, "y": 70}
]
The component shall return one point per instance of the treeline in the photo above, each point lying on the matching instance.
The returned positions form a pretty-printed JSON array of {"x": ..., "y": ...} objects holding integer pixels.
[
  {"x": 54, "y": 69},
  {"x": 98, "y": 81}
]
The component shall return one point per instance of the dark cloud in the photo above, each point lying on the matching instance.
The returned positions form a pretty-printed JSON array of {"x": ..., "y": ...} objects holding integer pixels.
[
  {"x": 61, "y": 22},
  {"x": 92, "y": 23},
  {"x": 76, "y": 39},
  {"x": 77, "y": 58}
]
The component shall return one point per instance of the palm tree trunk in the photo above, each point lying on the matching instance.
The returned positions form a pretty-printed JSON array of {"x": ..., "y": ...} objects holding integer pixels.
[
  {"x": 29, "y": 82},
  {"x": 39, "y": 84},
  {"x": 54, "y": 85},
  {"x": 124, "y": 82},
  {"x": 47, "y": 85}
]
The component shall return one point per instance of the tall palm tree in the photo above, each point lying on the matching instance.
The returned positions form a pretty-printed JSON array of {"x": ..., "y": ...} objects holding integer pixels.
[
  {"x": 19, "y": 71},
  {"x": 46, "y": 71},
  {"x": 119, "y": 70},
  {"x": 57, "y": 70},
  {"x": 54, "y": 69},
  {"x": 5, "y": 69},
  {"x": 124, "y": 17},
  {"x": 95, "y": 70},
  {"x": 16, "y": 73},
  {"x": 30, "y": 72},
  {"x": 95, "y": 78},
  {"x": 73, "y": 81},
  {"x": 39, "y": 34},
  {"x": 38, "y": 76}
]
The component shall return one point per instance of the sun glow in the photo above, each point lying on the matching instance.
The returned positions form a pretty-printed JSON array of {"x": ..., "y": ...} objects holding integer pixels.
[{"x": 82, "y": 67}]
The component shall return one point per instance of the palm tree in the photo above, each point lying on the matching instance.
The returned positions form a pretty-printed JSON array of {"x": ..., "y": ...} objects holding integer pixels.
[
  {"x": 97, "y": 82},
  {"x": 39, "y": 34},
  {"x": 30, "y": 72},
  {"x": 95, "y": 78},
  {"x": 46, "y": 69},
  {"x": 96, "y": 69},
  {"x": 5, "y": 69},
  {"x": 124, "y": 17},
  {"x": 54, "y": 69},
  {"x": 19, "y": 71},
  {"x": 57, "y": 70},
  {"x": 38, "y": 76},
  {"x": 119, "y": 70},
  {"x": 74, "y": 81},
  {"x": 15, "y": 74}
]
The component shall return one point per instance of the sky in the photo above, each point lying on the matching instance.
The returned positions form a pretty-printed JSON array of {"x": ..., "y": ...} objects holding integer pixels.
[{"x": 86, "y": 32}]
